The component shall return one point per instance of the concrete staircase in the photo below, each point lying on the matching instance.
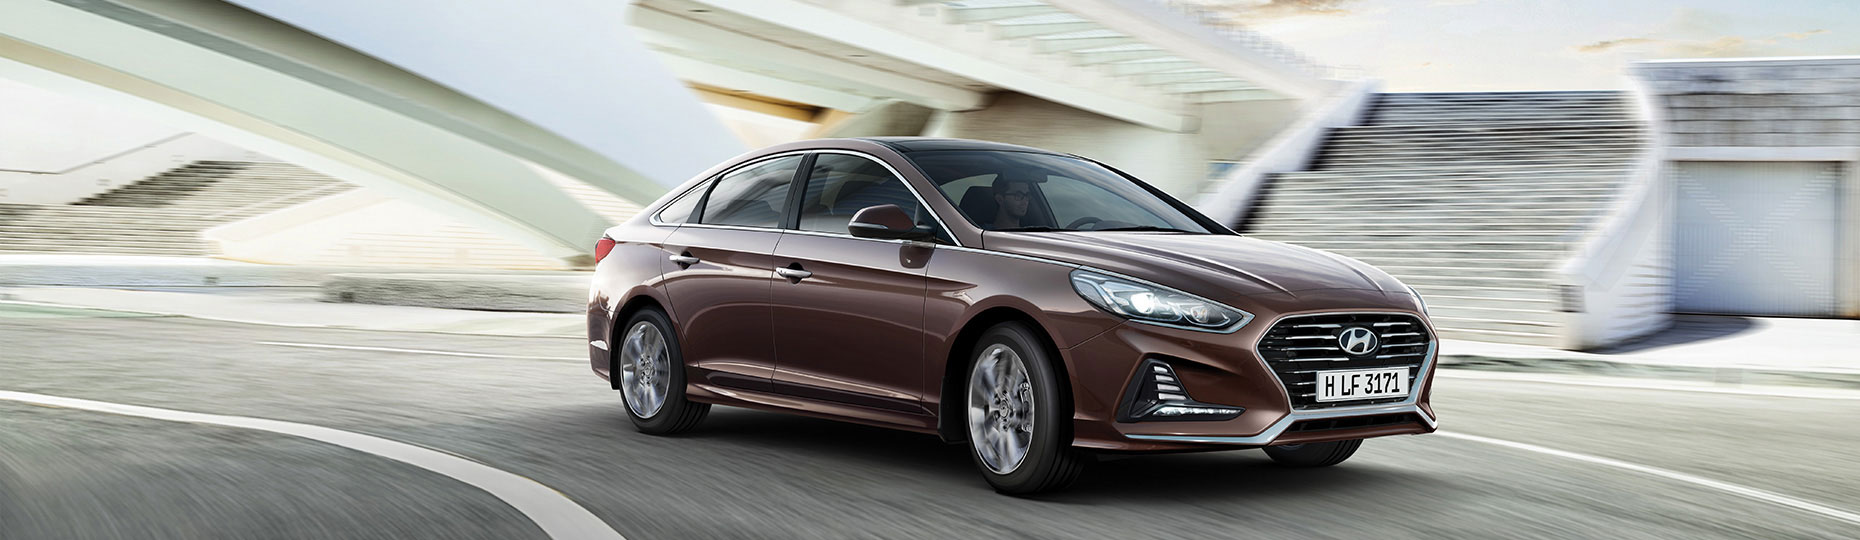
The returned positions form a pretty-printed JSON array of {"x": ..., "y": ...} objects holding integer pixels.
[
  {"x": 163, "y": 214},
  {"x": 1471, "y": 198}
]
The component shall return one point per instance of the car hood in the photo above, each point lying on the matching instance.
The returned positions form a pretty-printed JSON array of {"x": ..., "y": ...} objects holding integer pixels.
[{"x": 1216, "y": 266}]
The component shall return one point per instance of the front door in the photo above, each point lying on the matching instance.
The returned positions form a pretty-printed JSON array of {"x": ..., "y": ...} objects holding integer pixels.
[
  {"x": 849, "y": 311},
  {"x": 718, "y": 272}
]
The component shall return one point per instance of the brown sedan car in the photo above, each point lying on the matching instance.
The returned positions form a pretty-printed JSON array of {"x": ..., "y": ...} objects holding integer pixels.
[{"x": 1040, "y": 306}]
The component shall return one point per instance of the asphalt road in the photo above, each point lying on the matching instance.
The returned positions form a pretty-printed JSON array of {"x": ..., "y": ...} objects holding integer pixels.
[{"x": 73, "y": 473}]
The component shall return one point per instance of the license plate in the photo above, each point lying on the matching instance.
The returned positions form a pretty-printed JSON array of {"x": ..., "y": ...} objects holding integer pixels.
[{"x": 1357, "y": 384}]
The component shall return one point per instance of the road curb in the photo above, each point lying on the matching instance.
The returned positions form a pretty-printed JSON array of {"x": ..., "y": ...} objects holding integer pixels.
[
  {"x": 565, "y": 293},
  {"x": 475, "y": 328},
  {"x": 1721, "y": 375}
]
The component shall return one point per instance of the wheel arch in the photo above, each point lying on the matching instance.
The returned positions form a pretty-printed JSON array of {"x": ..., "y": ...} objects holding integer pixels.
[
  {"x": 955, "y": 365},
  {"x": 625, "y": 311}
]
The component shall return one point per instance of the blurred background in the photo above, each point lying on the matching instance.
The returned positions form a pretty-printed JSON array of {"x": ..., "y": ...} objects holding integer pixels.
[{"x": 1636, "y": 224}]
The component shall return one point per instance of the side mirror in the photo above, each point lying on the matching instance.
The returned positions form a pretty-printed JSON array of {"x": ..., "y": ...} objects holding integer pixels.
[{"x": 887, "y": 222}]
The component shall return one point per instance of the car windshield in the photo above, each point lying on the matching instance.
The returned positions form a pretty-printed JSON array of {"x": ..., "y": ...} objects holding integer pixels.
[{"x": 1026, "y": 191}]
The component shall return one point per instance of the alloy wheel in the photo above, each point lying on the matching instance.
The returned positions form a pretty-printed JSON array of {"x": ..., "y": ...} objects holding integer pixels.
[
  {"x": 1001, "y": 409},
  {"x": 645, "y": 369}
]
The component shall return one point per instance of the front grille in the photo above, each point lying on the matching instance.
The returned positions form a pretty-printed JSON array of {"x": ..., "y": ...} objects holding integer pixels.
[{"x": 1300, "y": 346}]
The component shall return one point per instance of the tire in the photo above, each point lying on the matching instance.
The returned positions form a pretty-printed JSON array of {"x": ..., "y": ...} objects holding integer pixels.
[
  {"x": 1314, "y": 454},
  {"x": 995, "y": 414},
  {"x": 654, "y": 397}
]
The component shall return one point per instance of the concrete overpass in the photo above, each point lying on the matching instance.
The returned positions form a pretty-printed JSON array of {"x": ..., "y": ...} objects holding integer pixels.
[
  {"x": 1151, "y": 86},
  {"x": 469, "y": 111},
  {"x": 1134, "y": 60},
  {"x": 455, "y": 132}
]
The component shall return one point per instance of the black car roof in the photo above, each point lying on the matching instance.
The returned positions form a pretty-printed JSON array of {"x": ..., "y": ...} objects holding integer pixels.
[{"x": 905, "y": 145}]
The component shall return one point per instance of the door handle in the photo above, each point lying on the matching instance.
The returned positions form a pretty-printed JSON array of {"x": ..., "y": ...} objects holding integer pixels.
[
  {"x": 794, "y": 274},
  {"x": 684, "y": 259}
]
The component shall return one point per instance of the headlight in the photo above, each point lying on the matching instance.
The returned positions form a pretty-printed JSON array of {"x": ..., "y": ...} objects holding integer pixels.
[
  {"x": 1418, "y": 299},
  {"x": 1144, "y": 302}
]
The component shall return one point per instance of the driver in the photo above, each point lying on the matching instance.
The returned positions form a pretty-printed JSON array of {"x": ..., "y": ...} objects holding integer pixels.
[{"x": 1011, "y": 199}]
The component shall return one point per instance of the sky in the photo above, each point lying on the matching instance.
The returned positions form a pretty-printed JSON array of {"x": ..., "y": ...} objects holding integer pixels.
[{"x": 1423, "y": 45}]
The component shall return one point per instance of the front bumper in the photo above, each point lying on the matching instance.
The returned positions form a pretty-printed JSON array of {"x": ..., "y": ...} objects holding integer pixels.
[
  {"x": 1402, "y": 419},
  {"x": 1225, "y": 369}
]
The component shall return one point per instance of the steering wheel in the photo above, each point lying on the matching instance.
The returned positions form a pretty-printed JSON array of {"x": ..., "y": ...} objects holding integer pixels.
[{"x": 1081, "y": 222}]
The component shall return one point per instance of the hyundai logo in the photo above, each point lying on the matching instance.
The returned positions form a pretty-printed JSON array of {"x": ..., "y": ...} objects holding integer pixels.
[{"x": 1357, "y": 340}]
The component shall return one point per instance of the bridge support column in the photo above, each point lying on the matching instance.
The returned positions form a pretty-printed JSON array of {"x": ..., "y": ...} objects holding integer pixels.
[{"x": 890, "y": 119}]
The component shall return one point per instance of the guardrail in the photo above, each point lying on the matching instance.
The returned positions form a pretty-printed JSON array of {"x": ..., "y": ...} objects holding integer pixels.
[{"x": 1603, "y": 299}]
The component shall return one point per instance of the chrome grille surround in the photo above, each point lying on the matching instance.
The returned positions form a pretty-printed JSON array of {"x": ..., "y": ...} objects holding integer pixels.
[{"x": 1296, "y": 347}]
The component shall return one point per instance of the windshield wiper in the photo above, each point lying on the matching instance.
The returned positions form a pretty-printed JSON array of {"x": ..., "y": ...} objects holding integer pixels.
[
  {"x": 1146, "y": 228},
  {"x": 1034, "y": 228}
]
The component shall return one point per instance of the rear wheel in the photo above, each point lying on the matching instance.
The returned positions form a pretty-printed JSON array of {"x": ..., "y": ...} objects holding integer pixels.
[
  {"x": 651, "y": 371},
  {"x": 1314, "y": 454},
  {"x": 1018, "y": 421}
]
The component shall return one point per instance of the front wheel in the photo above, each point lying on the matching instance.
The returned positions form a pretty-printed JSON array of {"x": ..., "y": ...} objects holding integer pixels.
[
  {"x": 650, "y": 367},
  {"x": 1314, "y": 454},
  {"x": 1018, "y": 420}
]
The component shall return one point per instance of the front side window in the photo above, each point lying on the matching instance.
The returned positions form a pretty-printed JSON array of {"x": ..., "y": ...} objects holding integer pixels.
[
  {"x": 1025, "y": 191},
  {"x": 752, "y": 196},
  {"x": 840, "y": 185}
]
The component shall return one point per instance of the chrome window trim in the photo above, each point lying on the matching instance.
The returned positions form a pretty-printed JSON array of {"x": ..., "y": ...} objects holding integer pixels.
[
  {"x": 654, "y": 217},
  {"x": 880, "y": 240},
  {"x": 894, "y": 174},
  {"x": 730, "y": 227}
]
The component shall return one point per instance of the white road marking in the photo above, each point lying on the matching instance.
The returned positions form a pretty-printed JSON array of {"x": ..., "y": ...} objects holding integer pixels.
[
  {"x": 1648, "y": 384},
  {"x": 413, "y": 351},
  {"x": 1727, "y": 487},
  {"x": 558, "y": 516}
]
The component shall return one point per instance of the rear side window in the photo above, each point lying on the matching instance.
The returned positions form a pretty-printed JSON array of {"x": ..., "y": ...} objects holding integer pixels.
[
  {"x": 679, "y": 210},
  {"x": 752, "y": 196}
]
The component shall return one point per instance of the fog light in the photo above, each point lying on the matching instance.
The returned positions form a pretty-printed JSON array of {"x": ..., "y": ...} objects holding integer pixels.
[
  {"x": 1178, "y": 410},
  {"x": 1157, "y": 394}
]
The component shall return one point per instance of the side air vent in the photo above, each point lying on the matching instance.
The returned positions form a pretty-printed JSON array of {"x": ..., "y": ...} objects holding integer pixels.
[{"x": 1157, "y": 394}]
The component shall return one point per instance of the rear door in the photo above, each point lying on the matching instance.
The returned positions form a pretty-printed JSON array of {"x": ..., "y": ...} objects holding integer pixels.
[
  {"x": 849, "y": 312},
  {"x": 718, "y": 272}
]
